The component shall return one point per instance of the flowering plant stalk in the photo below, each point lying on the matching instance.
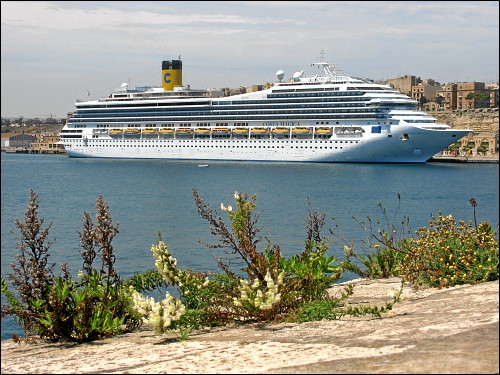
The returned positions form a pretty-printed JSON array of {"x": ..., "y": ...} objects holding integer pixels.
[{"x": 158, "y": 315}]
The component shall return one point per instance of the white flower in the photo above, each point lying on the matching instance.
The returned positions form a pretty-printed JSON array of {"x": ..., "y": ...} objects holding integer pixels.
[
  {"x": 394, "y": 293},
  {"x": 227, "y": 209}
]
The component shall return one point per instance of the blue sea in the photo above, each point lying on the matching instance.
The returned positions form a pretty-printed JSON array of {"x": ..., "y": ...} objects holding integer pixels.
[{"x": 148, "y": 197}]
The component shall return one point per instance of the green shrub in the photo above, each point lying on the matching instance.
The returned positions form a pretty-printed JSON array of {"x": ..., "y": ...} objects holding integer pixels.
[
  {"x": 56, "y": 307},
  {"x": 440, "y": 255},
  {"x": 273, "y": 288},
  {"x": 444, "y": 254}
]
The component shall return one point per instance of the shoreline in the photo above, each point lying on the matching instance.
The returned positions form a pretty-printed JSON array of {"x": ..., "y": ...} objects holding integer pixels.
[
  {"x": 463, "y": 159},
  {"x": 453, "y": 330}
]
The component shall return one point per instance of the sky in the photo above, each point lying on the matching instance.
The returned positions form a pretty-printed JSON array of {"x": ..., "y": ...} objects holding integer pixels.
[{"x": 56, "y": 52}]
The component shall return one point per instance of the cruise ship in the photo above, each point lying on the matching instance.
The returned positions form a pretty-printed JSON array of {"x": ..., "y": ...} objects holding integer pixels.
[{"x": 329, "y": 118}]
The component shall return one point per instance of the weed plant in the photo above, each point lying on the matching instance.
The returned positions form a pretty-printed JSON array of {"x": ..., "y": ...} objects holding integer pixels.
[
  {"x": 443, "y": 254},
  {"x": 272, "y": 289},
  {"x": 58, "y": 307}
]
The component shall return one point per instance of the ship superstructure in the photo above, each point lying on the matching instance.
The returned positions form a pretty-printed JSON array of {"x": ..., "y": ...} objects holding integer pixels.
[{"x": 322, "y": 118}]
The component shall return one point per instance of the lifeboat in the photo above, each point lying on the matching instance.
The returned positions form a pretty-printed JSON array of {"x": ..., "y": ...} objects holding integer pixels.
[
  {"x": 259, "y": 133},
  {"x": 349, "y": 131},
  {"x": 220, "y": 132},
  {"x": 166, "y": 133},
  {"x": 184, "y": 132},
  {"x": 202, "y": 132},
  {"x": 259, "y": 130},
  {"x": 115, "y": 132},
  {"x": 240, "y": 132},
  {"x": 131, "y": 132},
  {"x": 324, "y": 131},
  {"x": 149, "y": 132},
  {"x": 281, "y": 132},
  {"x": 301, "y": 132}
]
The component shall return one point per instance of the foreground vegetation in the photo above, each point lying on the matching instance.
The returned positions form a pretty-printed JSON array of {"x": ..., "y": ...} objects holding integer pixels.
[{"x": 253, "y": 285}]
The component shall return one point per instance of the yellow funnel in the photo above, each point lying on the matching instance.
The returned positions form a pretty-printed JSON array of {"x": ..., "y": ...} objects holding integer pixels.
[{"x": 171, "y": 74}]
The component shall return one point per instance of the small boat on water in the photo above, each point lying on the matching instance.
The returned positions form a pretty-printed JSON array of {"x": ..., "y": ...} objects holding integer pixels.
[{"x": 202, "y": 165}]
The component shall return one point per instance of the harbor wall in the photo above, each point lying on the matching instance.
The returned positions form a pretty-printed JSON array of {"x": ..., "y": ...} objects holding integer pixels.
[
  {"x": 484, "y": 125},
  {"x": 483, "y": 120}
]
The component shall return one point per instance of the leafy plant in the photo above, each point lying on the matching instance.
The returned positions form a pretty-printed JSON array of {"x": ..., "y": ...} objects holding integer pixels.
[
  {"x": 440, "y": 255},
  {"x": 56, "y": 307},
  {"x": 272, "y": 288},
  {"x": 446, "y": 254},
  {"x": 333, "y": 308},
  {"x": 376, "y": 261}
]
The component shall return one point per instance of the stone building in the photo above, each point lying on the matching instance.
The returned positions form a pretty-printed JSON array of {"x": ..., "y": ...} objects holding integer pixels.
[
  {"x": 425, "y": 92},
  {"x": 482, "y": 141},
  {"x": 466, "y": 95},
  {"x": 48, "y": 143},
  {"x": 254, "y": 88},
  {"x": 492, "y": 89},
  {"x": 449, "y": 95},
  {"x": 404, "y": 84}
]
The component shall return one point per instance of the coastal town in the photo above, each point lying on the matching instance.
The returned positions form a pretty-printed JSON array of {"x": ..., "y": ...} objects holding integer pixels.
[{"x": 463, "y": 105}]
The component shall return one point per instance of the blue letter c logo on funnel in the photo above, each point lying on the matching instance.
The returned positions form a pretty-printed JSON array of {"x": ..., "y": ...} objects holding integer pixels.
[{"x": 165, "y": 78}]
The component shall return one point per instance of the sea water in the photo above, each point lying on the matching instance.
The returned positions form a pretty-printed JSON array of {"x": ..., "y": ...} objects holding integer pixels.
[{"x": 148, "y": 197}]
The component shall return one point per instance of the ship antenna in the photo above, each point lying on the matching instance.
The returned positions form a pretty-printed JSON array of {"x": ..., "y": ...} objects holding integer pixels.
[{"x": 328, "y": 68}]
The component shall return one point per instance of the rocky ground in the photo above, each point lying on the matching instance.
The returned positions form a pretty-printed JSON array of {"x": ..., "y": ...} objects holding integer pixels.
[{"x": 438, "y": 331}]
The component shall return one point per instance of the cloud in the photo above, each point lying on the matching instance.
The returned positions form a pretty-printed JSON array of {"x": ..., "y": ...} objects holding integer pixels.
[{"x": 232, "y": 43}]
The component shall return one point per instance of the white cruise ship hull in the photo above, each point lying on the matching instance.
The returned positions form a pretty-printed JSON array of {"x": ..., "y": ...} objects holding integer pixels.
[{"x": 406, "y": 144}]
